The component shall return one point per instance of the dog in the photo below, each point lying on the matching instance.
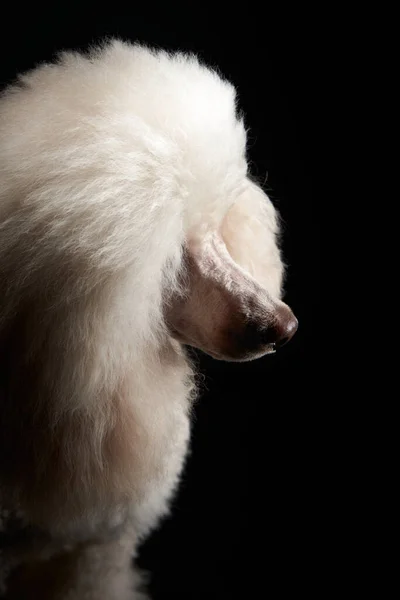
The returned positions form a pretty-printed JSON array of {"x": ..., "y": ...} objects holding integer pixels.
[{"x": 130, "y": 229}]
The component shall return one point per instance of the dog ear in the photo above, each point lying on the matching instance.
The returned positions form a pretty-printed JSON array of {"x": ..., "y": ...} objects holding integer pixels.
[{"x": 222, "y": 310}]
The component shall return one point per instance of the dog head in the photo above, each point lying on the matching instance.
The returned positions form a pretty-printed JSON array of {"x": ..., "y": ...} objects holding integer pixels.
[{"x": 138, "y": 179}]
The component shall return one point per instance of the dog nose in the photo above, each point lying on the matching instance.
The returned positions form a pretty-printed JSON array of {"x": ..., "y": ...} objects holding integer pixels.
[{"x": 284, "y": 327}]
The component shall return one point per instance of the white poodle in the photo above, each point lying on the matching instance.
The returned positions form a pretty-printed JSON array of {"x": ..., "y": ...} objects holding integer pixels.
[{"x": 129, "y": 228}]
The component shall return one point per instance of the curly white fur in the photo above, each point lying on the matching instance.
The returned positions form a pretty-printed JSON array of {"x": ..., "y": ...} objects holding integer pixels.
[{"x": 113, "y": 165}]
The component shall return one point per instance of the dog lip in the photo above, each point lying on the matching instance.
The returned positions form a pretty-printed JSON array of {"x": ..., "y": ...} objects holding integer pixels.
[
  {"x": 271, "y": 348},
  {"x": 267, "y": 350}
]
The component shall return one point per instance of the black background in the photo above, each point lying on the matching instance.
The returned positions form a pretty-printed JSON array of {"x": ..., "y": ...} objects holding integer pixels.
[{"x": 249, "y": 519}]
